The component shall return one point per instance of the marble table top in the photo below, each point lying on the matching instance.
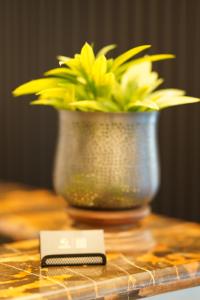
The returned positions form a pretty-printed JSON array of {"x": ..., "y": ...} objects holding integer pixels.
[{"x": 155, "y": 256}]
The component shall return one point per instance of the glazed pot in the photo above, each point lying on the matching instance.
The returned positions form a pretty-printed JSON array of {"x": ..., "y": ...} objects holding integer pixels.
[{"x": 107, "y": 161}]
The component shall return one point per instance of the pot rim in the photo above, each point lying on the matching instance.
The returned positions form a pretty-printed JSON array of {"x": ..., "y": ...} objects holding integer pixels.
[{"x": 100, "y": 113}]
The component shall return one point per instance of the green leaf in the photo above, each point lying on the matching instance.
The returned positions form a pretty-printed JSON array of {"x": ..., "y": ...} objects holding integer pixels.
[
  {"x": 154, "y": 86},
  {"x": 66, "y": 73},
  {"x": 62, "y": 59},
  {"x": 51, "y": 102},
  {"x": 172, "y": 101},
  {"x": 74, "y": 64},
  {"x": 142, "y": 106},
  {"x": 109, "y": 64},
  {"x": 105, "y": 50},
  {"x": 127, "y": 55},
  {"x": 87, "y": 57},
  {"x": 155, "y": 96},
  {"x": 110, "y": 105},
  {"x": 99, "y": 67},
  {"x": 52, "y": 93},
  {"x": 59, "y": 71},
  {"x": 147, "y": 58},
  {"x": 38, "y": 85},
  {"x": 88, "y": 105}
]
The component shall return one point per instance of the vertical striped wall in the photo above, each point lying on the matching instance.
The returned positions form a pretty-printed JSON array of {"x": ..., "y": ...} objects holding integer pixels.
[{"x": 33, "y": 32}]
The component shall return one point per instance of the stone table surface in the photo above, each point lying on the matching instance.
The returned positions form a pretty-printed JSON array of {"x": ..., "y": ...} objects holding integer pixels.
[{"x": 155, "y": 256}]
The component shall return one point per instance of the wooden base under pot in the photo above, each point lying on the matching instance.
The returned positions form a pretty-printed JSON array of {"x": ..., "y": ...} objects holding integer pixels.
[
  {"x": 108, "y": 218},
  {"x": 122, "y": 229}
]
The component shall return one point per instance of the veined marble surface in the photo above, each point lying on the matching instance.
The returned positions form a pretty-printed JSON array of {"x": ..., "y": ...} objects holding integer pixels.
[{"x": 156, "y": 256}]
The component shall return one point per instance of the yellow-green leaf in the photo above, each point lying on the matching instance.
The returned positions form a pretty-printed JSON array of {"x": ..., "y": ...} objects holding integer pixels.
[
  {"x": 52, "y": 93},
  {"x": 147, "y": 58},
  {"x": 99, "y": 69},
  {"x": 62, "y": 59},
  {"x": 172, "y": 101},
  {"x": 142, "y": 105},
  {"x": 109, "y": 64},
  {"x": 59, "y": 71},
  {"x": 64, "y": 94},
  {"x": 51, "y": 102},
  {"x": 166, "y": 93},
  {"x": 87, "y": 57},
  {"x": 105, "y": 50},
  {"x": 88, "y": 105},
  {"x": 37, "y": 85},
  {"x": 127, "y": 55}
]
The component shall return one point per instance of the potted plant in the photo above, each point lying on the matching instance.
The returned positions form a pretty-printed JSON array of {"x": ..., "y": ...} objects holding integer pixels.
[{"x": 108, "y": 109}]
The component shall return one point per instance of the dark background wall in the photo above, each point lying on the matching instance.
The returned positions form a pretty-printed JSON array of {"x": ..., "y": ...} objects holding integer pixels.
[{"x": 33, "y": 32}]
